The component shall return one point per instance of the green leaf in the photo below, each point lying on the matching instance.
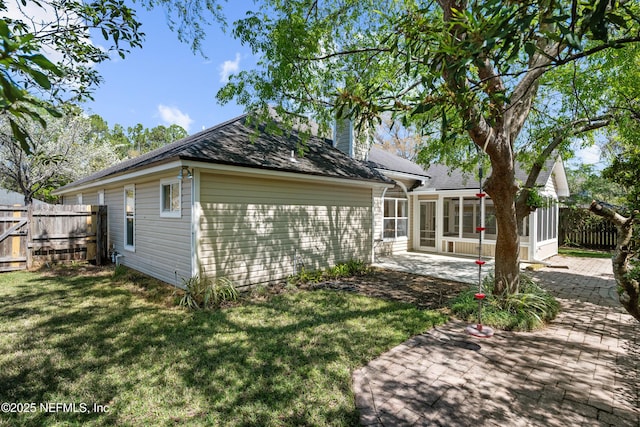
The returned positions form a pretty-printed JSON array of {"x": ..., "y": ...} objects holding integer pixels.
[
  {"x": 422, "y": 108},
  {"x": 617, "y": 20},
  {"x": 43, "y": 62},
  {"x": 4, "y": 29},
  {"x": 41, "y": 79},
  {"x": 21, "y": 136},
  {"x": 530, "y": 48},
  {"x": 573, "y": 41}
]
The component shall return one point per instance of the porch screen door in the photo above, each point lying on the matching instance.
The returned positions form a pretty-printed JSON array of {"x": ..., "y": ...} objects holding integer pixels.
[{"x": 428, "y": 224}]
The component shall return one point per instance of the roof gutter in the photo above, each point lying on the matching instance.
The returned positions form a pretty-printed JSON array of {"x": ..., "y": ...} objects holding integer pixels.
[
  {"x": 404, "y": 175},
  {"x": 118, "y": 178}
]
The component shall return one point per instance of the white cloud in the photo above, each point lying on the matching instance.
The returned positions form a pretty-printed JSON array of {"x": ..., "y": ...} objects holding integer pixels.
[
  {"x": 173, "y": 116},
  {"x": 229, "y": 67},
  {"x": 588, "y": 155}
]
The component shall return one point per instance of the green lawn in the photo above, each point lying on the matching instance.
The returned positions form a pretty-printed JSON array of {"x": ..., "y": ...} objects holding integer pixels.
[
  {"x": 287, "y": 360},
  {"x": 584, "y": 253}
]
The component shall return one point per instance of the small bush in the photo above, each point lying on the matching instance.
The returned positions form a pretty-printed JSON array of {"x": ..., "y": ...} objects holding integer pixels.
[
  {"x": 345, "y": 269},
  {"x": 204, "y": 292},
  {"x": 527, "y": 310}
]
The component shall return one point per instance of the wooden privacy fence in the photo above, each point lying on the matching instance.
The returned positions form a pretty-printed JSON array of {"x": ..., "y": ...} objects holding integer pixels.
[
  {"x": 583, "y": 229},
  {"x": 35, "y": 235}
]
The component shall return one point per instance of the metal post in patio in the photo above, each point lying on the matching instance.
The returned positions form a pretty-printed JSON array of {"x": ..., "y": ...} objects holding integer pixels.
[{"x": 478, "y": 329}]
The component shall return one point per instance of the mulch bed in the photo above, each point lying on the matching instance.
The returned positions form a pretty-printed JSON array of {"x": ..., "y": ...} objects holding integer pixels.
[{"x": 423, "y": 292}]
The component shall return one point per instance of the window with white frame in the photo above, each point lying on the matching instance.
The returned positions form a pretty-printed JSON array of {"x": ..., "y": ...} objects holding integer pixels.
[
  {"x": 396, "y": 218},
  {"x": 170, "y": 198},
  {"x": 129, "y": 217},
  {"x": 547, "y": 219},
  {"x": 101, "y": 197}
]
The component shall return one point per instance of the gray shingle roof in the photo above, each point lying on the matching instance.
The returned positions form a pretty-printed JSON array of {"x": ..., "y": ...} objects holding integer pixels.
[
  {"x": 236, "y": 143},
  {"x": 444, "y": 178},
  {"x": 381, "y": 159}
]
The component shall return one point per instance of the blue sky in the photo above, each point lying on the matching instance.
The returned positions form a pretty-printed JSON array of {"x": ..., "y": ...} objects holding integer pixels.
[{"x": 164, "y": 82}]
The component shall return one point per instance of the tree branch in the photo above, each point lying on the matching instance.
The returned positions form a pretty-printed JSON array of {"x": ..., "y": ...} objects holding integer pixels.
[
  {"x": 345, "y": 53},
  {"x": 573, "y": 128}
]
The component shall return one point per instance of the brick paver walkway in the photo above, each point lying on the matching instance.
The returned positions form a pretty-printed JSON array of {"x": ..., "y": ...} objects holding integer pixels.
[{"x": 582, "y": 370}]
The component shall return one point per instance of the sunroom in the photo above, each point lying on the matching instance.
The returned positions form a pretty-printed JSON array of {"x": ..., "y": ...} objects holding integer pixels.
[{"x": 446, "y": 220}]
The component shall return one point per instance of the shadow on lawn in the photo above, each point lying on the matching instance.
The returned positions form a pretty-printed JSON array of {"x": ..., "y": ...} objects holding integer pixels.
[{"x": 286, "y": 361}]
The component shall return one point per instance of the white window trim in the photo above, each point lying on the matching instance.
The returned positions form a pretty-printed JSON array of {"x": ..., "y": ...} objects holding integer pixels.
[
  {"x": 79, "y": 199},
  {"x": 170, "y": 214},
  {"x": 101, "y": 197},
  {"x": 130, "y": 248},
  {"x": 395, "y": 238}
]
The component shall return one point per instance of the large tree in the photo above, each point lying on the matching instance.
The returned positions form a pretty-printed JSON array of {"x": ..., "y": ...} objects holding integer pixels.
[
  {"x": 66, "y": 149},
  {"x": 473, "y": 66}
]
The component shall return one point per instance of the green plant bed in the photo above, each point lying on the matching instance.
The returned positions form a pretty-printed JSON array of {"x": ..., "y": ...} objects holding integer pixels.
[
  {"x": 584, "y": 253},
  {"x": 283, "y": 361},
  {"x": 532, "y": 308},
  {"x": 341, "y": 270}
]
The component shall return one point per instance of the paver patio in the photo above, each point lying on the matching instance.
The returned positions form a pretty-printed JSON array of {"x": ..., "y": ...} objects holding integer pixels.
[{"x": 582, "y": 370}]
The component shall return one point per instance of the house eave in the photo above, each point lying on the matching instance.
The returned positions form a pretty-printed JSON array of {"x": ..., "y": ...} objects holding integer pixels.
[
  {"x": 404, "y": 175},
  {"x": 288, "y": 175},
  {"x": 113, "y": 179},
  {"x": 233, "y": 169}
]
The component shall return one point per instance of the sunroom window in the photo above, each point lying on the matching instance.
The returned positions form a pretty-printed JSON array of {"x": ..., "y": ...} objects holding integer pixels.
[
  {"x": 471, "y": 217},
  {"x": 547, "y": 219}
]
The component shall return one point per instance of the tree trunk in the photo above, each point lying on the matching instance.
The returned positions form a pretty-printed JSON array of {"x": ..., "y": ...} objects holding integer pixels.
[
  {"x": 503, "y": 188},
  {"x": 628, "y": 286}
]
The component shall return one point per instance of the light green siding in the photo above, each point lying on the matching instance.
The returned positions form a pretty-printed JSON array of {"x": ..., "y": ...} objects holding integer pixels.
[
  {"x": 162, "y": 245},
  {"x": 255, "y": 230}
]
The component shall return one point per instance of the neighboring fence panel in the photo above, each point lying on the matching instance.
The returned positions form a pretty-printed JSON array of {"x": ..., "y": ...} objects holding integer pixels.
[
  {"x": 51, "y": 233},
  {"x": 581, "y": 228}
]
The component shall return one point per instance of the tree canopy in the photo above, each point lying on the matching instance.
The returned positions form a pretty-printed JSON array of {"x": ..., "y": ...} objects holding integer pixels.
[
  {"x": 473, "y": 70},
  {"x": 65, "y": 150},
  {"x": 71, "y": 147},
  {"x": 47, "y": 56}
]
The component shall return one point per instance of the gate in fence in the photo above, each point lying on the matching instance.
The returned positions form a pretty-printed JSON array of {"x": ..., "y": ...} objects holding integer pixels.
[{"x": 35, "y": 235}]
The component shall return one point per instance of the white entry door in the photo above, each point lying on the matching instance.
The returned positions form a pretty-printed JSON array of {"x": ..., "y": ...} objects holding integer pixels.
[{"x": 428, "y": 225}]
